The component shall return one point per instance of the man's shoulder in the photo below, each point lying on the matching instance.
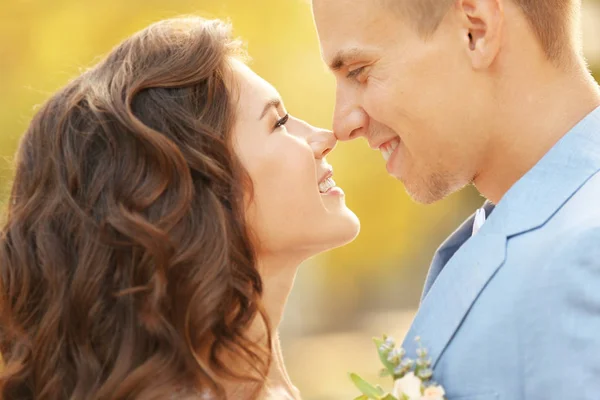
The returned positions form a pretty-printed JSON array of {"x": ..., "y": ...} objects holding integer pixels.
[
  {"x": 571, "y": 234},
  {"x": 567, "y": 248},
  {"x": 587, "y": 198},
  {"x": 579, "y": 216}
]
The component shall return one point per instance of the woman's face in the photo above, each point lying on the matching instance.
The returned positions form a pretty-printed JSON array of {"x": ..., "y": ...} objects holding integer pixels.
[{"x": 295, "y": 207}]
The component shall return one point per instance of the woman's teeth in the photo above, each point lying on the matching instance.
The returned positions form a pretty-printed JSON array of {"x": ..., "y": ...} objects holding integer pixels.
[
  {"x": 326, "y": 185},
  {"x": 388, "y": 148}
]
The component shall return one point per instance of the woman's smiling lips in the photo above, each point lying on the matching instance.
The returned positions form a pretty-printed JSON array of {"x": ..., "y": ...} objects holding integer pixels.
[{"x": 327, "y": 185}]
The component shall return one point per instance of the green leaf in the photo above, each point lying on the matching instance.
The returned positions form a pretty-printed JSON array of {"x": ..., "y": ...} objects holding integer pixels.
[
  {"x": 383, "y": 356},
  {"x": 384, "y": 373},
  {"x": 388, "y": 397},
  {"x": 362, "y": 397},
  {"x": 365, "y": 387}
]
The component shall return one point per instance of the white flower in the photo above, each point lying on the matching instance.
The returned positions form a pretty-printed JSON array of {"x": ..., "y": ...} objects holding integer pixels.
[
  {"x": 409, "y": 385},
  {"x": 434, "y": 393}
]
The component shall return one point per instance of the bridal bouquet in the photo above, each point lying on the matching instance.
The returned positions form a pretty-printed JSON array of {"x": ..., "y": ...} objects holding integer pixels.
[{"x": 412, "y": 378}]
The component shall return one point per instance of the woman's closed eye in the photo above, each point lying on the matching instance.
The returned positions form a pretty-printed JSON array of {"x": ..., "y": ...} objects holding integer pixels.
[{"x": 282, "y": 121}]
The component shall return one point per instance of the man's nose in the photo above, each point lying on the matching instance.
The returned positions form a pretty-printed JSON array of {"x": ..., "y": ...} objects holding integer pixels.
[{"x": 350, "y": 121}]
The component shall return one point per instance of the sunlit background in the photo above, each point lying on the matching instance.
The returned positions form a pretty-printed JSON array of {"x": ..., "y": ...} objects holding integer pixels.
[{"x": 341, "y": 299}]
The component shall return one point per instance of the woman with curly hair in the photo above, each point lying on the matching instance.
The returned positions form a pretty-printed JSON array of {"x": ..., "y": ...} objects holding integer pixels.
[{"x": 161, "y": 205}]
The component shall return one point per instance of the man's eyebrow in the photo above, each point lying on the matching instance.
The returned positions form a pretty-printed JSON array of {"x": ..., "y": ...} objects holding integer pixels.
[
  {"x": 273, "y": 103},
  {"x": 345, "y": 57}
]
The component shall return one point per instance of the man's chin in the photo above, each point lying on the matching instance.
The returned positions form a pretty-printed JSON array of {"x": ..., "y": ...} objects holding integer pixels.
[
  {"x": 426, "y": 192},
  {"x": 423, "y": 199}
]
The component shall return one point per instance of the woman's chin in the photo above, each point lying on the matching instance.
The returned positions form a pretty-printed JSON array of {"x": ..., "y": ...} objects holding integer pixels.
[
  {"x": 353, "y": 227},
  {"x": 341, "y": 228}
]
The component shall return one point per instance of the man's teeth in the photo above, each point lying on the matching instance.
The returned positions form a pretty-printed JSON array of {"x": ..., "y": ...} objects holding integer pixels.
[
  {"x": 388, "y": 148},
  {"x": 326, "y": 185},
  {"x": 386, "y": 153}
]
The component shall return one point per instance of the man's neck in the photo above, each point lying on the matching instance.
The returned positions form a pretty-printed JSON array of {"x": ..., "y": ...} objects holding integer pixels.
[{"x": 540, "y": 113}]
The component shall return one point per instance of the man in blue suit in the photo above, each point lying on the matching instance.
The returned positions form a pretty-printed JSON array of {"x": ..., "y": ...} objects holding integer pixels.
[{"x": 494, "y": 93}]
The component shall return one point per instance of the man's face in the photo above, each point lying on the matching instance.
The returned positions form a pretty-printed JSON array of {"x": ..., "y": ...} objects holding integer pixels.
[{"x": 417, "y": 100}]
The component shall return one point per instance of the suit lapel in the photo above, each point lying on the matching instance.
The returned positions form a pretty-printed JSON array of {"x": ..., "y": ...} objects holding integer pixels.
[
  {"x": 454, "y": 291},
  {"x": 449, "y": 248}
]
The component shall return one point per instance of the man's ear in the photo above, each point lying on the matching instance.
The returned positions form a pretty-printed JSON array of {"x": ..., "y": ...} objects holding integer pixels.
[{"x": 482, "y": 23}]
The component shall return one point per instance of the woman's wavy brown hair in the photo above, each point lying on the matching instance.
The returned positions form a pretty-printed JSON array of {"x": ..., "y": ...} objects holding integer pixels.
[{"x": 126, "y": 267}]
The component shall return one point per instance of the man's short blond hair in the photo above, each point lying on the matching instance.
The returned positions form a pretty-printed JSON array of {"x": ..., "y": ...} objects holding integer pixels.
[{"x": 551, "y": 20}]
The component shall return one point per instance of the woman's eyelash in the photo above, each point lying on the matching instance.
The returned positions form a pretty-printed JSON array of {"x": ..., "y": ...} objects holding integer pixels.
[{"x": 282, "y": 121}]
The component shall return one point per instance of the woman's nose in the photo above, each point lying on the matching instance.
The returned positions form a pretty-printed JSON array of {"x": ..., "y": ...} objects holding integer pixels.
[{"x": 322, "y": 142}]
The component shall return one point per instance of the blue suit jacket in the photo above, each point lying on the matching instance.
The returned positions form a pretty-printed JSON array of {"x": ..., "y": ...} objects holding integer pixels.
[{"x": 513, "y": 312}]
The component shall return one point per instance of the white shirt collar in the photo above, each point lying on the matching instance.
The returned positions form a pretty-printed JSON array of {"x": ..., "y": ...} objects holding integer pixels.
[{"x": 478, "y": 220}]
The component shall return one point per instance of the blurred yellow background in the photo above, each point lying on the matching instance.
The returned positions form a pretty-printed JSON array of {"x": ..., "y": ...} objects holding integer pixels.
[{"x": 342, "y": 298}]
